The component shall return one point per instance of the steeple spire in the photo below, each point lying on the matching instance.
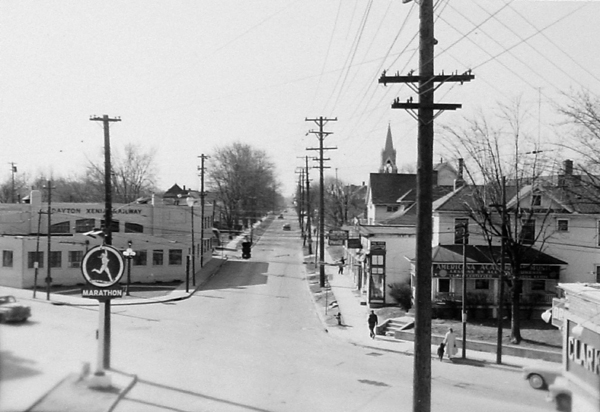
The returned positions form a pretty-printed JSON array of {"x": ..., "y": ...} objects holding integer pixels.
[{"x": 388, "y": 155}]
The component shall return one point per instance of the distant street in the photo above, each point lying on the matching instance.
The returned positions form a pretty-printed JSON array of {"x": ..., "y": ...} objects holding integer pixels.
[{"x": 251, "y": 340}]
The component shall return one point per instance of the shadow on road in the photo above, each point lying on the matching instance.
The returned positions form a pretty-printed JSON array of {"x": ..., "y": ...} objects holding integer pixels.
[
  {"x": 173, "y": 399},
  {"x": 14, "y": 367}
]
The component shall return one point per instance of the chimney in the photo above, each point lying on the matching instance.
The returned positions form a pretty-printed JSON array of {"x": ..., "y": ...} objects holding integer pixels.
[
  {"x": 459, "y": 178},
  {"x": 568, "y": 167}
]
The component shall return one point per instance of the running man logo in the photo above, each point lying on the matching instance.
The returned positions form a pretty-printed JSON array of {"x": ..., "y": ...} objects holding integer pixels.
[{"x": 102, "y": 266}]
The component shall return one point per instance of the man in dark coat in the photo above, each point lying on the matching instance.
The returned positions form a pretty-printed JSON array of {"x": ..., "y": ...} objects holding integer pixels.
[{"x": 372, "y": 323}]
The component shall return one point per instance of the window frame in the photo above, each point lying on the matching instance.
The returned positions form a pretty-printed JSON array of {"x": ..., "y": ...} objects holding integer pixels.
[
  {"x": 7, "y": 258},
  {"x": 558, "y": 225},
  {"x": 461, "y": 236}
]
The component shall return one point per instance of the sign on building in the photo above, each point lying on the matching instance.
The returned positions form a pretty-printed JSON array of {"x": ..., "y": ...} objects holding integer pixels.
[{"x": 337, "y": 237}]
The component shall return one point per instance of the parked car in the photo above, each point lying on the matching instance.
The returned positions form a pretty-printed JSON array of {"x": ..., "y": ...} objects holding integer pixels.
[
  {"x": 541, "y": 376},
  {"x": 286, "y": 226},
  {"x": 11, "y": 311},
  {"x": 560, "y": 393}
]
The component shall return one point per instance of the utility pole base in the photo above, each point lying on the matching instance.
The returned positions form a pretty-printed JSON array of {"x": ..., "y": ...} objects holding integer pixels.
[{"x": 99, "y": 380}]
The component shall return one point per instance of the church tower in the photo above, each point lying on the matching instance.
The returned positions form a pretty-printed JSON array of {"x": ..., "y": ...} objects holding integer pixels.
[{"x": 388, "y": 155}]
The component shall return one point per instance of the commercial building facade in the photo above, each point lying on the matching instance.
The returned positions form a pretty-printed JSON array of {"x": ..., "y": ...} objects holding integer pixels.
[{"x": 37, "y": 240}]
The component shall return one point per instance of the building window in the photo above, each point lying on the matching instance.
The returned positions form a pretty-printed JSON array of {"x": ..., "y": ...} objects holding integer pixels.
[
  {"x": 75, "y": 258},
  {"x": 84, "y": 225},
  {"x": 133, "y": 228},
  {"x": 7, "y": 258},
  {"x": 114, "y": 227},
  {"x": 55, "y": 259},
  {"x": 538, "y": 285},
  {"x": 444, "y": 285},
  {"x": 461, "y": 231},
  {"x": 62, "y": 227},
  {"x": 482, "y": 284},
  {"x": 175, "y": 257},
  {"x": 528, "y": 232},
  {"x": 158, "y": 257},
  {"x": 392, "y": 208},
  {"x": 140, "y": 258},
  {"x": 536, "y": 200},
  {"x": 33, "y": 257},
  {"x": 562, "y": 225}
]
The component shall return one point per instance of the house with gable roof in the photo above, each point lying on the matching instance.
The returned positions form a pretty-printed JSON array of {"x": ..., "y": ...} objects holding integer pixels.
[{"x": 559, "y": 227}]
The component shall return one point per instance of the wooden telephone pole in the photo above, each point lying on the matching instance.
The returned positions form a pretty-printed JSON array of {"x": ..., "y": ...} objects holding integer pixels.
[
  {"x": 321, "y": 122},
  {"x": 104, "y": 305},
  {"x": 424, "y": 108},
  {"x": 201, "y": 168}
]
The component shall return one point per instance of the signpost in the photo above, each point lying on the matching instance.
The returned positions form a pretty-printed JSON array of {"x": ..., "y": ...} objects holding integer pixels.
[{"x": 102, "y": 268}]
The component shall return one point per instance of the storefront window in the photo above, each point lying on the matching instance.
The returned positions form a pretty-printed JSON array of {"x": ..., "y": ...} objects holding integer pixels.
[
  {"x": 75, "y": 258},
  {"x": 157, "y": 257},
  {"x": 140, "y": 258},
  {"x": 444, "y": 285},
  {"x": 7, "y": 258},
  {"x": 175, "y": 257}
]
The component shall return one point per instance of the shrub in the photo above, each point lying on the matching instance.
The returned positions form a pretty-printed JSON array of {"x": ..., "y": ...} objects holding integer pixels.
[{"x": 402, "y": 294}]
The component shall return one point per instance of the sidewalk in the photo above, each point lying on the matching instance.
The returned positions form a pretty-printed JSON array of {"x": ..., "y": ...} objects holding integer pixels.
[
  {"x": 70, "y": 392},
  {"x": 68, "y": 389},
  {"x": 354, "y": 327}
]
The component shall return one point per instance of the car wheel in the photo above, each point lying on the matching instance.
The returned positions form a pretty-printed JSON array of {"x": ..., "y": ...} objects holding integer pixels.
[
  {"x": 536, "y": 381},
  {"x": 563, "y": 403}
]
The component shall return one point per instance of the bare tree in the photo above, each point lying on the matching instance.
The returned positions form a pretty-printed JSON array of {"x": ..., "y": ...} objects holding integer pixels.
[
  {"x": 582, "y": 113},
  {"x": 492, "y": 155},
  {"x": 244, "y": 180},
  {"x": 133, "y": 175}
]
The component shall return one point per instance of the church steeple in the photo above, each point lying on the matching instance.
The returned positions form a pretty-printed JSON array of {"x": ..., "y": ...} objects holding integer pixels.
[{"x": 388, "y": 155}]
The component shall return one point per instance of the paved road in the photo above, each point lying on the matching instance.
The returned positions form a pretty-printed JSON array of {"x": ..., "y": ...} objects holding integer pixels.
[{"x": 250, "y": 340}]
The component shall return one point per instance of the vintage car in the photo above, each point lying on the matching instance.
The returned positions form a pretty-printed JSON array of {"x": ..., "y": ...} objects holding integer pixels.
[
  {"x": 541, "y": 376},
  {"x": 11, "y": 311}
]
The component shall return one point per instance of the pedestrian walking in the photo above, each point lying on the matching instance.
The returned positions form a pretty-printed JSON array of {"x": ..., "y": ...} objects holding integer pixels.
[
  {"x": 341, "y": 265},
  {"x": 440, "y": 351},
  {"x": 450, "y": 342},
  {"x": 372, "y": 323}
]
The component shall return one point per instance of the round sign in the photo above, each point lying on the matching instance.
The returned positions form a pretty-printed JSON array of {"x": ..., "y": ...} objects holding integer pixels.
[{"x": 102, "y": 266}]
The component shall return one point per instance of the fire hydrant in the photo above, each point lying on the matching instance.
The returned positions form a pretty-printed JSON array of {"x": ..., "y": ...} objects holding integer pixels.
[{"x": 339, "y": 318}]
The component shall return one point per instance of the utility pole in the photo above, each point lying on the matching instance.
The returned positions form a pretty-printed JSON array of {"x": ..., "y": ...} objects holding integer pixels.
[
  {"x": 301, "y": 213},
  {"x": 465, "y": 241},
  {"x": 425, "y": 107},
  {"x": 501, "y": 276},
  {"x": 321, "y": 122},
  {"x": 307, "y": 198},
  {"x": 13, "y": 170},
  {"x": 104, "y": 305},
  {"x": 48, "y": 260},
  {"x": 202, "y": 196}
]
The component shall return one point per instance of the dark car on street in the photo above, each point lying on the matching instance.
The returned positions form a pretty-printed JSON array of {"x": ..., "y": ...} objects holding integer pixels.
[
  {"x": 11, "y": 311},
  {"x": 286, "y": 226}
]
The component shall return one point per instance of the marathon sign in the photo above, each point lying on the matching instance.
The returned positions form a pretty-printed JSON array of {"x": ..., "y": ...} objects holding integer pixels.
[{"x": 102, "y": 293}]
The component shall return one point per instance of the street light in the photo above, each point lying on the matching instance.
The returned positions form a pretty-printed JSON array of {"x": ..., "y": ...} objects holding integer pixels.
[
  {"x": 190, "y": 202},
  {"x": 129, "y": 254}
]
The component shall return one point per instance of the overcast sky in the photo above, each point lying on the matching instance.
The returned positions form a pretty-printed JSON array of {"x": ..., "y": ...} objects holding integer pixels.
[{"x": 189, "y": 76}]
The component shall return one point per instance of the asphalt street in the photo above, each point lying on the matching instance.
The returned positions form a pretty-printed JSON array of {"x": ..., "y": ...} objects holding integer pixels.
[{"x": 250, "y": 339}]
